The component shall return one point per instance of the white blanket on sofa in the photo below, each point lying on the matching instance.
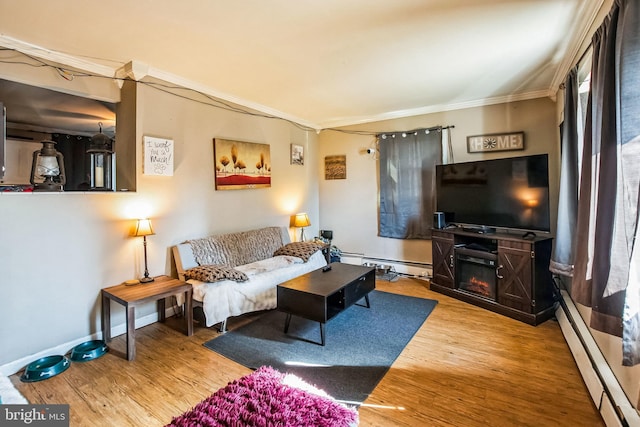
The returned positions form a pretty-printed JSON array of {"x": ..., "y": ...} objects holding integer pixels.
[{"x": 227, "y": 298}]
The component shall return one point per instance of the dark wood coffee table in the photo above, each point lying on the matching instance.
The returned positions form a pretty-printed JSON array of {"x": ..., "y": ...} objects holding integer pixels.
[{"x": 320, "y": 295}]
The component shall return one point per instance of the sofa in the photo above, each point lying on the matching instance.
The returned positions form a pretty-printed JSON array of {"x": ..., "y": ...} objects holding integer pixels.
[{"x": 237, "y": 273}]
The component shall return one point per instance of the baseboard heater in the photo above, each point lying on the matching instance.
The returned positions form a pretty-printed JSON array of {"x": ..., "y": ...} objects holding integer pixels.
[
  {"x": 420, "y": 270},
  {"x": 612, "y": 402}
]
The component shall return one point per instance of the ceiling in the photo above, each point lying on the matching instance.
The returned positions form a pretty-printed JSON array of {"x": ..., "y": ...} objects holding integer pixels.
[
  {"x": 31, "y": 108},
  {"x": 320, "y": 63}
]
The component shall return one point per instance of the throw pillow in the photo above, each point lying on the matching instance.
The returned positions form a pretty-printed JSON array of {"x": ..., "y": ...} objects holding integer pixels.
[
  {"x": 214, "y": 273},
  {"x": 302, "y": 250}
]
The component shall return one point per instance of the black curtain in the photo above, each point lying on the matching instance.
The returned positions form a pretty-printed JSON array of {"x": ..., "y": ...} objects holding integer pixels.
[
  {"x": 563, "y": 250},
  {"x": 407, "y": 183},
  {"x": 76, "y": 160}
]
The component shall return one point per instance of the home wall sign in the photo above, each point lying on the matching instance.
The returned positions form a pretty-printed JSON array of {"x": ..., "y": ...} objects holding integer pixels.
[
  {"x": 495, "y": 142},
  {"x": 158, "y": 156},
  {"x": 241, "y": 165}
]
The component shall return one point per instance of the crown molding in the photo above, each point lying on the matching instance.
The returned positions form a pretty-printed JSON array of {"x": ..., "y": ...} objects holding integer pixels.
[
  {"x": 352, "y": 121},
  {"x": 189, "y": 84},
  {"x": 583, "y": 26},
  {"x": 57, "y": 57},
  {"x": 137, "y": 70}
]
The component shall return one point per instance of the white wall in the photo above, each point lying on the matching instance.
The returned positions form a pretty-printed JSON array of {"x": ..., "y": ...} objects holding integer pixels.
[
  {"x": 350, "y": 207},
  {"x": 58, "y": 251}
]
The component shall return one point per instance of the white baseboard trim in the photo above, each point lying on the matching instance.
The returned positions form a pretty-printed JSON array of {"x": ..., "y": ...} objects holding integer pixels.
[
  {"x": 589, "y": 376},
  {"x": 608, "y": 412},
  {"x": 612, "y": 402},
  {"x": 409, "y": 268},
  {"x": 18, "y": 365}
]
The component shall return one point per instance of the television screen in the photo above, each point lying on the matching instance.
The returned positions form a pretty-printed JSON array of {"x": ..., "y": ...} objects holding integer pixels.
[{"x": 509, "y": 193}]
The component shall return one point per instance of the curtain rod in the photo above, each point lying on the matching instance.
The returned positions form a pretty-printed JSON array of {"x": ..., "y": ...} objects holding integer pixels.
[
  {"x": 427, "y": 130},
  {"x": 378, "y": 134}
]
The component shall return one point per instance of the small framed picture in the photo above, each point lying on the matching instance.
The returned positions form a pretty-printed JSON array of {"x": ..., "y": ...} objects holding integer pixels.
[
  {"x": 297, "y": 154},
  {"x": 335, "y": 167}
]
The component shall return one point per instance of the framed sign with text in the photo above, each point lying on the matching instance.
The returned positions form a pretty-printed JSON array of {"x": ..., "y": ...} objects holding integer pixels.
[
  {"x": 495, "y": 142},
  {"x": 158, "y": 156}
]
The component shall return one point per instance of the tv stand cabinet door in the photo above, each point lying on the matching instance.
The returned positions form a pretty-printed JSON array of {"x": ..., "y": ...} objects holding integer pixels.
[
  {"x": 442, "y": 250},
  {"x": 514, "y": 271}
]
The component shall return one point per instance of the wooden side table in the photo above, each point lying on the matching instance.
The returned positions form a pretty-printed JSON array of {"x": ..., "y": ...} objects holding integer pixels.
[{"x": 132, "y": 296}]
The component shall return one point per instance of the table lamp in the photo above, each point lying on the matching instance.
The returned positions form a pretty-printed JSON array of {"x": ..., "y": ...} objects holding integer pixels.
[
  {"x": 144, "y": 229},
  {"x": 301, "y": 220}
]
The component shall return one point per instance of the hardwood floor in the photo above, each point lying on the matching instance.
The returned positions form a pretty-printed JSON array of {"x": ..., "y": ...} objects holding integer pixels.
[{"x": 465, "y": 367}]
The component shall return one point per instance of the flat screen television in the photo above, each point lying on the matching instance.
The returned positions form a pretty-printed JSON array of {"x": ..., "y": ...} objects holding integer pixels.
[{"x": 509, "y": 193}]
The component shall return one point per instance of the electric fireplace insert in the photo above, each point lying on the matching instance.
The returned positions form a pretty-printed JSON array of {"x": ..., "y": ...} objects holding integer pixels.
[{"x": 476, "y": 272}]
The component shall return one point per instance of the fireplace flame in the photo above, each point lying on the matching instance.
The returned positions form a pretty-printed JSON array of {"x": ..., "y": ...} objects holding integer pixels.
[{"x": 479, "y": 286}]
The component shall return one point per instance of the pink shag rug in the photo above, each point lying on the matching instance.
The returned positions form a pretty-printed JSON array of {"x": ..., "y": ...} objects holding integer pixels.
[{"x": 268, "y": 397}]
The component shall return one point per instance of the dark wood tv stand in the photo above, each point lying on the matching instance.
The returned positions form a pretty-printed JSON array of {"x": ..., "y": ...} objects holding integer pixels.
[{"x": 524, "y": 285}]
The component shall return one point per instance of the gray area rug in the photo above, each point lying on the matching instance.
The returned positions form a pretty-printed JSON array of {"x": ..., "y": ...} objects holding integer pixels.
[{"x": 361, "y": 344}]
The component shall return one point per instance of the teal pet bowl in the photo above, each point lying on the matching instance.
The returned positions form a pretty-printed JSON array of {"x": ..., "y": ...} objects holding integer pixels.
[
  {"x": 88, "y": 351},
  {"x": 44, "y": 368}
]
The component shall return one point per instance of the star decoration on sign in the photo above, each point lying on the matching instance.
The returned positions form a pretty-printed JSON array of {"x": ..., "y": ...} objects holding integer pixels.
[{"x": 490, "y": 143}]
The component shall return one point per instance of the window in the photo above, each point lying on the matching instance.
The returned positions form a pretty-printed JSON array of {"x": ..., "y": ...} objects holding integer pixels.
[{"x": 407, "y": 183}]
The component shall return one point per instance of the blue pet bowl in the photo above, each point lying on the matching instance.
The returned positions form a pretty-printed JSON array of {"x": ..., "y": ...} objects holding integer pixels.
[
  {"x": 44, "y": 368},
  {"x": 88, "y": 351}
]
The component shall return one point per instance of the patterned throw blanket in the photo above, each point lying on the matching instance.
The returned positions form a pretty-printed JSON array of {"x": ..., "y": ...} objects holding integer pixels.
[{"x": 236, "y": 249}]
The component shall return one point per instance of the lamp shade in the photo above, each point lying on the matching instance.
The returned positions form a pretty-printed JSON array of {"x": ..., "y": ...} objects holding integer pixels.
[
  {"x": 301, "y": 220},
  {"x": 144, "y": 228}
]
